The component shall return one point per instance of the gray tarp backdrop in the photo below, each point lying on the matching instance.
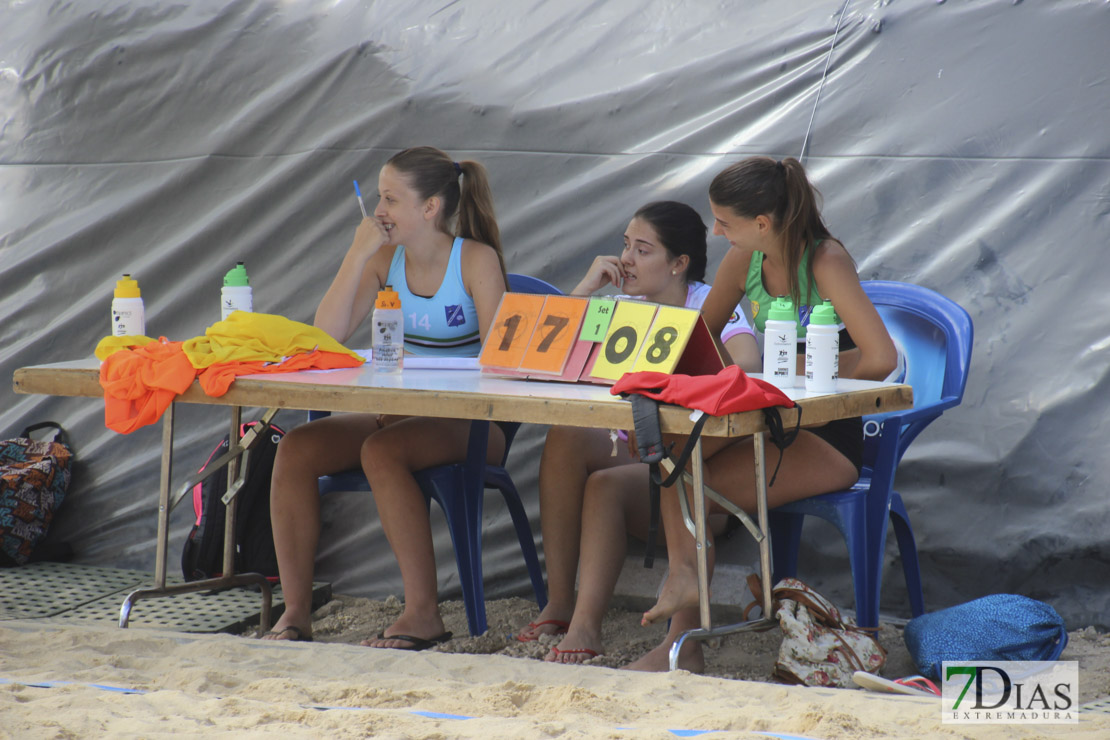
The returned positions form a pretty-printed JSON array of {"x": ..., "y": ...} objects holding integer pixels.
[{"x": 959, "y": 145}]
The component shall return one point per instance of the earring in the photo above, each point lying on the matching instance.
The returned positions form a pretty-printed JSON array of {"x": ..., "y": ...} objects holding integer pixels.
[{"x": 674, "y": 272}]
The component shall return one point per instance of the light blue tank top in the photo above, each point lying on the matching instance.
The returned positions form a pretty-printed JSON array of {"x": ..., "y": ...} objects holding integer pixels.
[{"x": 445, "y": 324}]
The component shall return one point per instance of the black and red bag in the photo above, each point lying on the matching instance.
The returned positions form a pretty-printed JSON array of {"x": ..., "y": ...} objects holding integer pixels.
[
  {"x": 34, "y": 476},
  {"x": 203, "y": 555}
]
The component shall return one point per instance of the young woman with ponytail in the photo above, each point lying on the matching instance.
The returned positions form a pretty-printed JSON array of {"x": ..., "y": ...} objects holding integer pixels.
[
  {"x": 450, "y": 281},
  {"x": 778, "y": 245}
]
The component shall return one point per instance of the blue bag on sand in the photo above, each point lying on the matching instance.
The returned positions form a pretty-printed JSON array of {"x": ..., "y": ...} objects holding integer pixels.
[{"x": 992, "y": 628}]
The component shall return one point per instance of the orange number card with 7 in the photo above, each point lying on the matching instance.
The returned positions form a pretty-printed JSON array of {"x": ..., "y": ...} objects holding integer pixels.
[{"x": 555, "y": 335}]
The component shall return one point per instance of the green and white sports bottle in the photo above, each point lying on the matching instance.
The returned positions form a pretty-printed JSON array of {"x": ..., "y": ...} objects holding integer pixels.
[
  {"x": 236, "y": 293},
  {"x": 822, "y": 349},
  {"x": 780, "y": 344}
]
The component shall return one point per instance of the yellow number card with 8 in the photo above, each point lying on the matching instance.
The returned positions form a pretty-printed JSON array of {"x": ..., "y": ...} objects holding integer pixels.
[
  {"x": 627, "y": 330},
  {"x": 666, "y": 339}
]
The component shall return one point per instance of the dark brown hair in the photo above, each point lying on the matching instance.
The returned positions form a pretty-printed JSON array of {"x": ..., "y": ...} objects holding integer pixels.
[
  {"x": 682, "y": 232},
  {"x": 432, "y": 173},
  {"x": 760, "y": 186}
]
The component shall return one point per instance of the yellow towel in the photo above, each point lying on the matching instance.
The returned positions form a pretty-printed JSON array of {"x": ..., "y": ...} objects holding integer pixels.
[
  {"x": 258, "y": 337},
  {"x": 112, "y": 344}
]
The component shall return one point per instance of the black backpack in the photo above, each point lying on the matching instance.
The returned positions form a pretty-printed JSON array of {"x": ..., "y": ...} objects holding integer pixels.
[{"x": 203, "y": 556}]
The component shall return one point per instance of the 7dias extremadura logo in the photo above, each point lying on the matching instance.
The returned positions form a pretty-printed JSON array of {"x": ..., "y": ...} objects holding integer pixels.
[{"x": 1010, "y": 692}]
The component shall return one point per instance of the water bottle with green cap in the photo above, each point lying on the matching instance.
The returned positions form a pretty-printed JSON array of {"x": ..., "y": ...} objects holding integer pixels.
[
  {"x": 822, "y": 349},
  {"x": 236, "y": 293},
  {"x": 780, "y": 343}
]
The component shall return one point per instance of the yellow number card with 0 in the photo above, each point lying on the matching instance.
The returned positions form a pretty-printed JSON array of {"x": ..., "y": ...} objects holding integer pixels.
[
  {"x": 555, "y": 335},
  {"x": 666, "y": 339},
  {"x": 622, "y": 343},
  {"x": 511, "y": 331}
]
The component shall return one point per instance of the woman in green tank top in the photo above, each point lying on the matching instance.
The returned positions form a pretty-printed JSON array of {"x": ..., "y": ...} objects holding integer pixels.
[{"x": 778, "y": 245}]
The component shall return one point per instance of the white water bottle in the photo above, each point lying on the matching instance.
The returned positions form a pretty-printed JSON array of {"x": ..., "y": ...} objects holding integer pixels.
[
  {"x": 128, "y": 316},
  {"x": 780, "y": 344},
  {"x": 236, "y": 293},
  {"x": 822, "y": 349},
  {"x": 388, "y": 343}
]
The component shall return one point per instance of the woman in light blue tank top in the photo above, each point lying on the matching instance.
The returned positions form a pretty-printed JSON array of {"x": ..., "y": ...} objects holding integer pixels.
[{"x": 451, "y": 283}]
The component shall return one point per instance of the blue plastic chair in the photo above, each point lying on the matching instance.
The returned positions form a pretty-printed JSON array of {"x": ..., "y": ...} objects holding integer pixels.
[
  {"x": 459, "y": 489},
  {"x": 936, "y": 337}
]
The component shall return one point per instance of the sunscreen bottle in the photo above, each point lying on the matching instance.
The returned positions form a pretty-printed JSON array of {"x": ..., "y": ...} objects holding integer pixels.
[
  {"x": 236, "y": 293},
  {"x": 822, "y": 349},
  {"x": 128, "y": 317},
  {"x": 388, "y": 343},
  {"x": 780, "y": 344}
]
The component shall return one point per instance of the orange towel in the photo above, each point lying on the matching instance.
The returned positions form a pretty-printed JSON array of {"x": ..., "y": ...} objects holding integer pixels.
[
  {"x": 216, "y": 379},
  {"x": 139, "y": 384}
]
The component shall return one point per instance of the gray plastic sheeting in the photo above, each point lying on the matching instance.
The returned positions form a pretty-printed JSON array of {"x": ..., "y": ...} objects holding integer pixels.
[{"x": 959, "y": 145}]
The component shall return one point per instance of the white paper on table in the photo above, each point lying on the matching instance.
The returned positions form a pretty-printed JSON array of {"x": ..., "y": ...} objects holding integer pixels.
[{"x": 418, "y": 362}]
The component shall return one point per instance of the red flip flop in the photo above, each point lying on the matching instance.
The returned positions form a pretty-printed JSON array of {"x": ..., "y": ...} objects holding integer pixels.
[
  {"x": 576, "y": 651},
  {"x": 561, "y": 629}
]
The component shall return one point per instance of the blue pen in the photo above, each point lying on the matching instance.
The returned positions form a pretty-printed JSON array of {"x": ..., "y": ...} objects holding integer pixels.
[{"x": 358, "y": 195}]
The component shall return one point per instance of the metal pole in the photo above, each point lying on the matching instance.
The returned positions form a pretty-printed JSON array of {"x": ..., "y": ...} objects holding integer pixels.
[
  {"x": 231, "y": 508},
  {"x": 759, "y": 439},
  {"x": 164, "y": 498},
  {"x": 700, "y": 536}
]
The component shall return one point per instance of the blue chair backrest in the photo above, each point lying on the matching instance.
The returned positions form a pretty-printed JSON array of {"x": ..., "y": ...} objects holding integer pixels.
[
  {"x": 936, "y": 336},
  {"x": 527, "y": 284}
]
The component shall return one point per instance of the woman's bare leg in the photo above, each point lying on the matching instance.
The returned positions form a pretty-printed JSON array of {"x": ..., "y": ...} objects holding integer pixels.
[
  {"x": 615, "y": 502},
  {"x": 389, "y": 459},
  {"x": 810, "y": 466},
  {"x": 328, "y": 445},
  {"x": 570, "y": 455}
]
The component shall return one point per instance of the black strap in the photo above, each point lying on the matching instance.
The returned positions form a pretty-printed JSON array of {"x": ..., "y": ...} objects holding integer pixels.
[
  {"x": 779, "y": 437},
  {"x": 59, "y": 435}
]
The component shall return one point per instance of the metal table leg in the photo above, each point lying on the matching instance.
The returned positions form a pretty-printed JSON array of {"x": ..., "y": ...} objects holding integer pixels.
[
  {"x": 230, "y": 578},
  {"x": 699, "y": 530}
]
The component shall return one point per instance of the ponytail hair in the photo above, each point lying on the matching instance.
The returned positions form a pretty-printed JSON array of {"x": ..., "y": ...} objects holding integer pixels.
[
  {"x": 760, "y": 186},
  {"x": 432, "y": 173},
  {"x": 681, "y": 231}
]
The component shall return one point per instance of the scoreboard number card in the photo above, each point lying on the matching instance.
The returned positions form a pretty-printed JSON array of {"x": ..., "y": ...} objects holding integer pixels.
[
  {"x": 511, "y": 331},
  {"x": 617, "y": 353},
  {"x": 666, "y": 339},
  {"x": 555, "y": 335}
]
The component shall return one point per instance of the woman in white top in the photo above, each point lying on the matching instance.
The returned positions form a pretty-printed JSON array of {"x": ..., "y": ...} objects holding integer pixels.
[{"x": 592, "y": 491}]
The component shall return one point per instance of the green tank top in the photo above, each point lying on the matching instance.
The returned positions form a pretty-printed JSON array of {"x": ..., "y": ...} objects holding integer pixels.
[{"x": 761, "y": 299}]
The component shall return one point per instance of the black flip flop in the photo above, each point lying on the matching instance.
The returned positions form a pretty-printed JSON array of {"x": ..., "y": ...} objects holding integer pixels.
[
  {"x": 418, "y": 643},
  {"x": 298, "y": 634}
]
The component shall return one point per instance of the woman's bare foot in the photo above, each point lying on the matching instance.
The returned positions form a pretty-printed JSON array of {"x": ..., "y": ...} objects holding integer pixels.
[
  {"x": 658, "y": 659},
  {"x": 424, "y": 627},
  {"x": 577, "y": 647},
  {"x": 551, "y": 621},
  {"x": 287, "y": 629},
  {"x": 680, "y": 591}
]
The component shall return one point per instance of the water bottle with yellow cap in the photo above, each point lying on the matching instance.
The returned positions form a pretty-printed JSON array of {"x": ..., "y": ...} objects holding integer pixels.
[
  {"x": 389, "y": 332},
  {"x": 128, "y": 317}
]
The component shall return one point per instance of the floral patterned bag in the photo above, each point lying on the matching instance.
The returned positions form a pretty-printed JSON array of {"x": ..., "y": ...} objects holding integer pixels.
[
  {"x": 820, "y": 647},
  {"x": 34, "y": 476}
]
